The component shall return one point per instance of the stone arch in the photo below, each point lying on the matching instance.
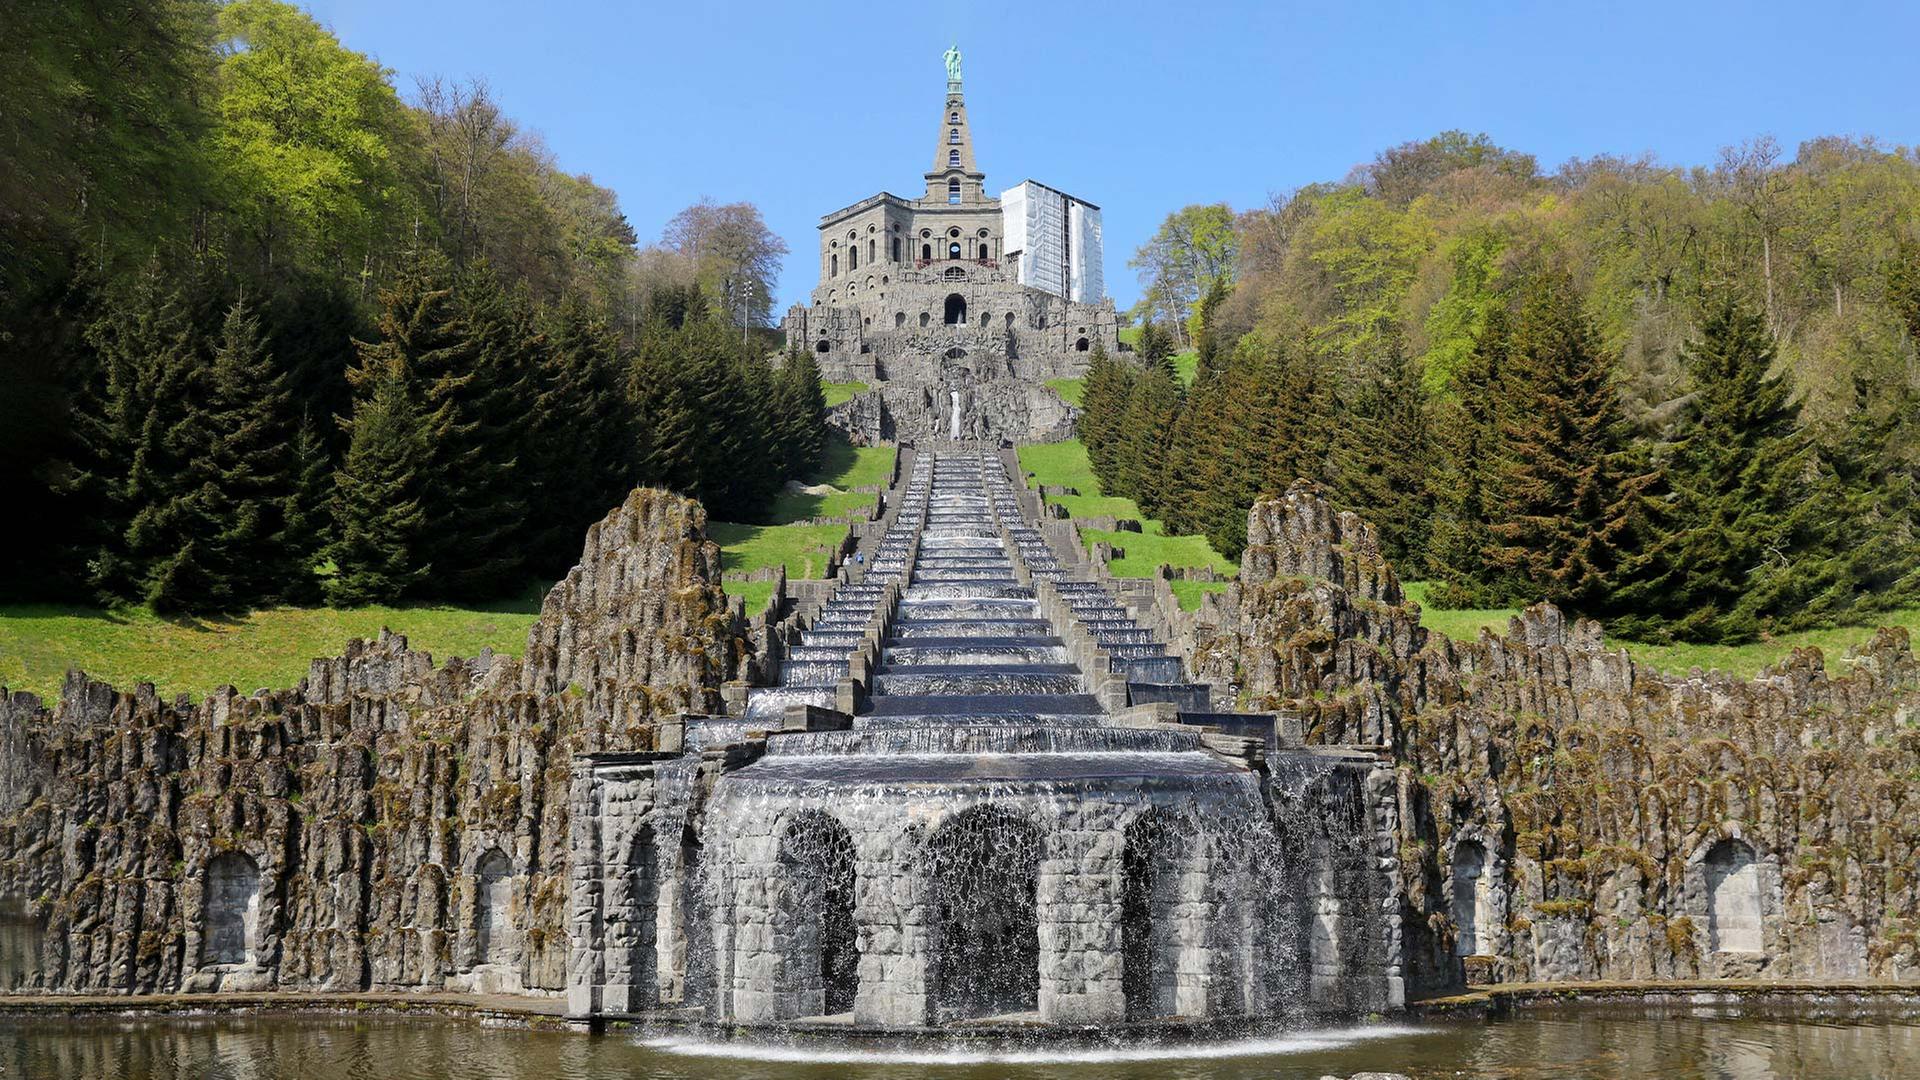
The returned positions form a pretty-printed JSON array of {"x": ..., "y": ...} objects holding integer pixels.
[
  {"x": 694, "y": 931},
  {"x": 1147, "y": 883},
  {"x": 899, "y": 318},
  {"x": 954, "y": 273},
  {"x": 1080, "y": 345},
  {"x": 823, "y": 346},
  {"x": 925, "y": 318},
  {"x": 232, "y": 897},
  {"x": 956, "y": 310},
  {"x": 643, "y": 957},
  {"x": 817, "y": 860},
  {"x": 985, "y": 319},
  {"x": 1733, "y": 898},
  {"x": 492, "y": 902},
  {"x": 983, "y": 871},
  {"x": 1009, "y": 320},
  {"x": 1471, "y": 898}
]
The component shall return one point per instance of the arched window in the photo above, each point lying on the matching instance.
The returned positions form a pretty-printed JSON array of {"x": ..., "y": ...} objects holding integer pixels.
[
  {"x": 1080, "y": 345},
  {"x": 492, "y": 924},
  {"x": 953, "y": 118},
  {"x": 956, "y": 309},
  {"x": 924, "y": 319},
  {"x": 899, "y": 318},
  {"x": 1147, "y": 951},
  {"x": 926, "y": 252},
  {"x": 817, "y": 860},
  {"x": 233, "y": 910},
  {"x": 872, "y": 247},
  {"x": 833, "y": 266},
  {"x": 953, "y": 159},
  {"x": 953, "y": 250},
  {"x": 643, "y": 956},
  {"x": 895, "y": 250},
  {"x": 853, "y": 259},
  {"x": 823, "y": 346},
  {"x": 1733, "y": 898},
  {"x": 1471, "y": 898},
  {"x": 953, "y": 192},
  {"x": 953, "y": 136},
  {"x": 984, "y": 869},
  {"x": 954, "y": 273}
]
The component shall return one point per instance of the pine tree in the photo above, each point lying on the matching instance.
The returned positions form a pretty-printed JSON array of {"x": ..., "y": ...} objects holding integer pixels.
[
  {"x": 1103, "y": 404},
  {"x": 1378, "y": 458},
  {"x": 1567, "y": 504},
  {"x": 380, "y": 520},
  {"x": 127, "y": 465},
  {"x": 306, "y": 514},
  {"x": 1206, "y": 337},
  {"x": 1466, "y": 431},
  {"x": 231, "y": 550},
  {"x": 1155, "y": 347},
  {"x": 578, "y": 458},
  {"x": 800, "y": 414},
  {"x": 467, "y": 350},
  {"x": 1741, "y": 489},
  {"x": 1153, "y": 408}
]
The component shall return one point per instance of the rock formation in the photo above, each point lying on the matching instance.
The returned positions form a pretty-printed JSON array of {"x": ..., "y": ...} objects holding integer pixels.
[
  {"x": 1570, "y": 814},
  {"x": 386, "y": 824}
]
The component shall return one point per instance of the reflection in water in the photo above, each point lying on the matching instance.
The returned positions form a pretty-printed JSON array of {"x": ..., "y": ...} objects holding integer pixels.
[{"x": 1526, "y": 1048}]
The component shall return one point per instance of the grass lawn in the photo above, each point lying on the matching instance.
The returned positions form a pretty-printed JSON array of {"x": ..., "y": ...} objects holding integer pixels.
[
  {"x": 840, "y": 392},
  {"x": 1744, "y": 661},
  {"x": 782, "y": 541},
  {"x": 271, "y": 648},
  {"x": 1064, "y": 464},
  {"x": 1070, "y": 390}
]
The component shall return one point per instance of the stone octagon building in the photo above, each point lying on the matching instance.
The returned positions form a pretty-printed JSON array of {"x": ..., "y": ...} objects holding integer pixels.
[{"x": 956, "y": 308}]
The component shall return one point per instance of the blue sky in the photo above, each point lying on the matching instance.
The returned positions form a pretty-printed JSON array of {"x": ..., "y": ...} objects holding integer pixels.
[{"x": 1142, "y": 108}]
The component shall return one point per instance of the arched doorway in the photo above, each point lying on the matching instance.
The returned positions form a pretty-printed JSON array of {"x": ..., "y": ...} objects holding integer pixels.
[
  {"x": 1469, "y": 899},
  {"x": 1733, "y": 898},
  {"x": 643, "y": 957},
  {"x": 233, "y": 909},
  {"x": 984, "y": 881},
  {"x": 695, "y": 932},
  {"x": 493, "y": 925},
  {"x": 816, "y": 855},
  {"x": 953, "y": 250},
  {"x": 956, "y": 312},
  {"x": 1145, "y": 917}
]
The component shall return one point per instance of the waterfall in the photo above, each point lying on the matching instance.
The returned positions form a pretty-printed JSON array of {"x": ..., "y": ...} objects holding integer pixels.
[{"x": 953, "y": 422}]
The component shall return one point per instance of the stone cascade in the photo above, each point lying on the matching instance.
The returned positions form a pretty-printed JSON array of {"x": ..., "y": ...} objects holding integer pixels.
[
  {"x": 985, "y": 838},
  {"x": 824, "y": 656}
]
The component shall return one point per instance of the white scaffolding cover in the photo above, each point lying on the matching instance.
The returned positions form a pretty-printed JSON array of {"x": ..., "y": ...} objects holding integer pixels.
[{"x": 1057, "y": 238}]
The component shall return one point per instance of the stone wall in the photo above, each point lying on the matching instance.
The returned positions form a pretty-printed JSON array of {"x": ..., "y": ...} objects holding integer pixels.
[
  {"x": 366, "y": 798},
  {"x": 1611, "y": 807}
]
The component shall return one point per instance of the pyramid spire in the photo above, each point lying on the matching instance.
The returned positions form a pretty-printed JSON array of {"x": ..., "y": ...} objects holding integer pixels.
[{"x": 954, "y": 177}]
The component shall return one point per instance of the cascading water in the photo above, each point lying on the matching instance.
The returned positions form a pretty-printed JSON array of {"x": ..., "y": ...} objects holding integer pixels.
[{"x": 985, "y": 842}]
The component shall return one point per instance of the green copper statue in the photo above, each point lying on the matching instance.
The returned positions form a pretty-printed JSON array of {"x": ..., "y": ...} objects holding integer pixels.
[{"x": 952, "y": 57}]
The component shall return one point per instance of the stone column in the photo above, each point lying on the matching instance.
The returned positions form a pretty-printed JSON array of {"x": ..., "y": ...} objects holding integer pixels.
[{"x": 1079, "y": 910}]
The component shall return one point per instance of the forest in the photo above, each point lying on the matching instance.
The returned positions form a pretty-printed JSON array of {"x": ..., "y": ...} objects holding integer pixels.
[
  {"x": 1682, "y": 400},
  {"x": 275, "y": 331}
]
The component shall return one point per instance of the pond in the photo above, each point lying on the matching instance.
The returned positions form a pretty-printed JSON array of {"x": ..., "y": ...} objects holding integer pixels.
[{"x": 1527, "y": 1047}]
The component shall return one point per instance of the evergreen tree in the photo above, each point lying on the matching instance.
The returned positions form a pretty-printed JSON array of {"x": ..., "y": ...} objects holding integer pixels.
[
  {"x": 579, "y": 454},
  {"x": 1155, "y": 347},
  {"x": 1568, "y": 502},
  {"x": 1741, "y": 493},
  {"x": 800, "y": 413},
  {"x": 1103, "y": 404},
  {"x": 380, "y": 520},
  {"x": 1378, "y": 458},
  {"x": 1153, "y": 407},
  {"x": 1466, "y": 432},
  {"x": 128, "y": 465},
  {"x": 307, "y": 514},
  {"x": 467, "y": 350},
  {"x": 231, "y": 549},
  {"x": 1206, "y": 338}
]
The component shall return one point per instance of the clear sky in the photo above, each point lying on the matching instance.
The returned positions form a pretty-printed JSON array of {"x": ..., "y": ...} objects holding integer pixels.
[{"x": 804, "y": 107}]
